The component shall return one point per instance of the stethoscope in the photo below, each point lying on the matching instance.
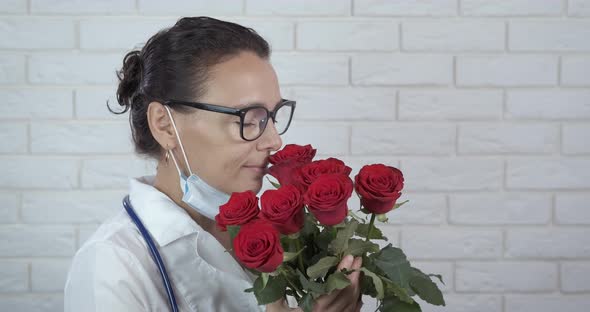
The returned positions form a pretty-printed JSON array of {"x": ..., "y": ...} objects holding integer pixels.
[{"x": 154, "y": 251}]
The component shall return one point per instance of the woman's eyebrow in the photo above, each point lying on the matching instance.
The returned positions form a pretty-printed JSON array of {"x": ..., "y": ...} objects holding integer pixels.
[{"x": 256, "y": 103}]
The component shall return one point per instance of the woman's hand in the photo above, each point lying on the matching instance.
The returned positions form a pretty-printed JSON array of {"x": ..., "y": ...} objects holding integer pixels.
[{"x": 346, "y": 299}]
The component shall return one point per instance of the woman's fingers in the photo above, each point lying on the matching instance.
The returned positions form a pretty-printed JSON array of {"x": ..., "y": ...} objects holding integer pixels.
[{"x": 356, "y": 265}]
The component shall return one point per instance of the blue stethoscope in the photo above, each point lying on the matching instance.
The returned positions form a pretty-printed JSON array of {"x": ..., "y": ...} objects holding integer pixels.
[{"x": 153, "y": 250}]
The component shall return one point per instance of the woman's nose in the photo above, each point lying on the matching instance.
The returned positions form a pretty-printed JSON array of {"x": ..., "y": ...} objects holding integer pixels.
[{"x": 270, "y": 138}]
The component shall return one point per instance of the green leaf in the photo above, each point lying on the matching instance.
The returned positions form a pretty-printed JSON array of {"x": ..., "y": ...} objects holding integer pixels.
[
  {"x": 393, "y": 262},
  {"x": 316, "y": 289},
  {"x": 288, "y": 256},
  {"x": 233, "y": 231},
  {"x": 336, "y": 280},
  {"x": 324, "y": 239},
  {"x": 393, "y": 304},
  {"x": 310, "y": 226},
  {"x": 377, "y": 283},
  {"x": 306, "y": 303},
  {"x": 425, "y": 288},
  {"x": 320, "y": 268},
  {"x": 264, "y": 276},
  {"x": 439, "y": 277},
  {"x": 340, "y": 243},
  {"x": 276, "y": 185},
  {"x": 392, "y": 288},
  {"x": 274, "y": 290},
  {"x": 359, "y": 247},
  {"x": 363, "y": 229},
  {"x": 400, "y": 204}
]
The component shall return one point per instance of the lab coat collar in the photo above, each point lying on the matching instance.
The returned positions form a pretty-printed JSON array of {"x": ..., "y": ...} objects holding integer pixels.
[{"x": 163, "y": 218}]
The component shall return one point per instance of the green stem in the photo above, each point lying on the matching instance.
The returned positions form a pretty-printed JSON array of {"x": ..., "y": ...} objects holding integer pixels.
[
  {"x": 298, "y": 292},
  {"x": 370, "y": 227},
  {"x": 299, "y": 256}
]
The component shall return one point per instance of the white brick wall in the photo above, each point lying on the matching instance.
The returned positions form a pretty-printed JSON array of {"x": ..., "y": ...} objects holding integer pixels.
[{"x": 484, "y": 105}]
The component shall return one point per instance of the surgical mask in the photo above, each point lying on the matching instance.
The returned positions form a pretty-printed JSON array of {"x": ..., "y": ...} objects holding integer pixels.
[{"x": 197, "y": 194}]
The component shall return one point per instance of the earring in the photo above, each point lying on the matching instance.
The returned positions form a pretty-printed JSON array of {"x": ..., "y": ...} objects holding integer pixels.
[{"x": 167, "y": 156}]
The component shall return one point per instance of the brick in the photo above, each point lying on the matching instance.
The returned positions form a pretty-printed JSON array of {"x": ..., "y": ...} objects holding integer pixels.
[
  {"x": 35, "y": 103},
  {"x": 401, "y": 69},
  {"x": 575, "y": 276},
  {"x": 548, "y": 173},
  {"x": 300, "y": 7},
  {"x": 223, "y": 7},
  {"x": 405, "y": 139},
  {"x": 550, "y": 243},
  {"x": 14, "y": 6},
  {"x": 506, "y": 208},
  {"x": 279, "y": 34},
  {"x": 49, "y": 275},
  {"x": 574, "y": 70},
  {"x": 14, "y": 137},
  {"x": 450, "y": 104},
  {"x": 9, "y": 205},
  {"x": 549, "y": 35},
  {"x": 70, "y": 207},
  {"x": 33, "y": 303},
  {"x": 572, "y": 208},
  {"x": 548, "y": 104},
  {"x": 348, "y": 35},
  {"x": 123, "y": 33},
  {"x": 41, "y": 241},
  {"x": 81, "y": 137},
  {"x": 343, "y": 103},
  {"x": 512, "y": 8},
  {"x": 12, "y": 69},
  {"x": 545, "y": 302},
  {"x": 575, "y": 139},
  {"x": 578, "y": 7},
  {"x": 74, "y": 68},
  {"x": 114, "y": 172},
  {"x": 421, "y": 209},
  {"x": 445, "y": 269},
  {"x": 311, "y": 69},
  {"x": 463, "y": 35},
  {"x": 452, "y": 174},
  {"x": 91, "y": 103},
  {"x": 327, "y": 138},
  {"x": 83, "y": 7},
  {"x": 524, "y": 276},
  {"x": 405, "y": 8},
  {"x": 503, "y": 138},
  {"x": 37, "y": 33},
  {"x": 15, "y": 276},
  {"x": 48, "y": 172},
  {"x": 466, "y": 303},
  {"x": 506, "y": 70},
  {"x": 458, "y": 243}
]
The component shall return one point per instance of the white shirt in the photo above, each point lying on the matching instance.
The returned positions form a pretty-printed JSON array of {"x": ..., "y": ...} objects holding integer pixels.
[{"x": 114, "y": 271}]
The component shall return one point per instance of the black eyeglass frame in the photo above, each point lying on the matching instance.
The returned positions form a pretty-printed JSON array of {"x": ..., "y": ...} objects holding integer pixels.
[{"x": 240, "y": 112}]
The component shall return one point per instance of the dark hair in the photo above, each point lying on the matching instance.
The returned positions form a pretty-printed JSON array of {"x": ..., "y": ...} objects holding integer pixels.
[{"x": 174, "y": 64}]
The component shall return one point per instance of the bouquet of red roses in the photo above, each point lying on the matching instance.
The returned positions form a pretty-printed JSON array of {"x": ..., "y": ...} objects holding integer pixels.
[{"x": 295, "y": 236}]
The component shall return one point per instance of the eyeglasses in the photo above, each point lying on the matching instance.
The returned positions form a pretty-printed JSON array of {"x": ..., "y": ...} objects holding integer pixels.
[{"x": 253, "y": 119}]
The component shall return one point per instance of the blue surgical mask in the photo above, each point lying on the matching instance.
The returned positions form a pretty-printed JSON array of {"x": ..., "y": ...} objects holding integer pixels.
[{"x": 197, "y": 194}]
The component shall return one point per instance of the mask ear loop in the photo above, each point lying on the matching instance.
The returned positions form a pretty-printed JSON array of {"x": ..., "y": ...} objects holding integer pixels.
[{"x": 179, "y": 142}]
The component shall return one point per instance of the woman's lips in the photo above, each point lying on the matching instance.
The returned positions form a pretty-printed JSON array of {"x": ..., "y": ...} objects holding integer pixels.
[{"x": 259, "y": 170}]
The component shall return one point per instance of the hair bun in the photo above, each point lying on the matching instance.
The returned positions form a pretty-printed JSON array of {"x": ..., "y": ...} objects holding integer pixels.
[{"x": 129, "y": 79}]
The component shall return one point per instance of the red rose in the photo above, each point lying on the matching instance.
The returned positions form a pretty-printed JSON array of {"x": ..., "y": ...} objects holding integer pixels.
[
  {"x": 306, "y": 174},
  {"x": 240, "y": 208},
  {"x": 283, "y": 208},
  {"x": 258, "y": 246},
  {"x": 289, "y": 158},
  {"x": 379, "y": 187},
  {"x": 327, "y": 198}
]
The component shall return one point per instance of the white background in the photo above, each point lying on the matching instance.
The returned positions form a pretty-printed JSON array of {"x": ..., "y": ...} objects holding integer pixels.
[{"x": 484, "y": 105}]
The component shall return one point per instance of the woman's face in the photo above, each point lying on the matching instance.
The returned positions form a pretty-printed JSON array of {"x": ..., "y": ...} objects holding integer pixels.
[{"x": 212, "y": 142}]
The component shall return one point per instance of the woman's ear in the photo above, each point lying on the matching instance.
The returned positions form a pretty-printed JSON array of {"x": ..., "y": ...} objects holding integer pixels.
[{"x": 161, "y": 125}]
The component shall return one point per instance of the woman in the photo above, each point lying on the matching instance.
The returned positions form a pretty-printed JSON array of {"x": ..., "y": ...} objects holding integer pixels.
[{"x": 199, "y": 94}]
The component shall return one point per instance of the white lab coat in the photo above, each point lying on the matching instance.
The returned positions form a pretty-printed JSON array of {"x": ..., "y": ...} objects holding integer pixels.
[{"x": 114, "y": 271}]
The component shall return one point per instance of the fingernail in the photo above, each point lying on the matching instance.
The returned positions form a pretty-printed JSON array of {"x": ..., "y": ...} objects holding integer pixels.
[{"x": 348, "y": 259}]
